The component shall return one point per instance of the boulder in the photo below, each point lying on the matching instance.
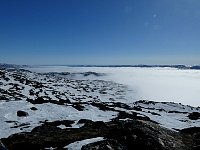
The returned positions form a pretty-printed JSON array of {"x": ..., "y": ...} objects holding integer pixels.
[{"x": 21, "y": 113}]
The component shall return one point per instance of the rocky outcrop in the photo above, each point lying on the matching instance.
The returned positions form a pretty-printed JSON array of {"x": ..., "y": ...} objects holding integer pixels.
[
  {"x": 194, "y": 116},
  {"x": 191, "y": 136},
  {"x": 118, "y": 135}
]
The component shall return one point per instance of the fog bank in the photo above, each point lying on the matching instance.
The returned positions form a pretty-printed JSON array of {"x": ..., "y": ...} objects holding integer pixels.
[{"x": 157, "y": 84}]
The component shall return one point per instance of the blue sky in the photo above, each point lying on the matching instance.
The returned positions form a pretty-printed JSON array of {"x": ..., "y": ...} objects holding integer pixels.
[{"x": 100, "y": 31}]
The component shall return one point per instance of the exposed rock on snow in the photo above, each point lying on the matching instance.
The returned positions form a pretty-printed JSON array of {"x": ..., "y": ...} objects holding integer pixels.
[
  {"x": 21, "y": 113},
  {"x": 118, "y": 135},
  {"x": 58, "y": 111},
  {"x": 194, "y": 115}
]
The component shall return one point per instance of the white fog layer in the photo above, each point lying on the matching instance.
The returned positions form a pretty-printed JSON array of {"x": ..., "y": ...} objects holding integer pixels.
[{"x": 157, "y": 84}]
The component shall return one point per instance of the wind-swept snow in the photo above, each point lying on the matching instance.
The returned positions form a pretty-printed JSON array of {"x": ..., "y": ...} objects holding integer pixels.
[{"x": 78, "y": 144}]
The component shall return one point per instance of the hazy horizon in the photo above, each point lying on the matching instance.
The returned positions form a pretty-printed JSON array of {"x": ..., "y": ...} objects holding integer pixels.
[{"x": 99, "y": 65}]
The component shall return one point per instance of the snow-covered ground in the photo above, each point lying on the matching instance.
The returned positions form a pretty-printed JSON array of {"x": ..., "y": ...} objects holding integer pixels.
[
  {"x": 10, "y": 123},
  {"x": 84, "y": 96}
]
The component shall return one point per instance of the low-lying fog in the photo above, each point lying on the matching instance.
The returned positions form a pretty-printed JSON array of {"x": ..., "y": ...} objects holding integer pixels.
[{"x": 157, "y": 84}]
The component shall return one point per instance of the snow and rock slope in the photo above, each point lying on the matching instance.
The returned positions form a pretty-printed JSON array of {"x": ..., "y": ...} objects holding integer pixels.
[{"x": 31, "y": 100}]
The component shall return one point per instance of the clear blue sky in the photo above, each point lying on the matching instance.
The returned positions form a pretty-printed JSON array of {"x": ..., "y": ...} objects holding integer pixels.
[{"x": 100, "y": 31}]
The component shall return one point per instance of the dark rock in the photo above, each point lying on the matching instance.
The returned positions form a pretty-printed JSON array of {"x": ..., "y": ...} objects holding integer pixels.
[
  {"x": 22, "y": 113},
  {"x": 137, "y": 108},
  {"x": 39, "y": 100},
  {"x": 92, "y": 73},
  {"x": 11, "y": 121},
  {"x": 177, "y": 112},
  {"x": 31, "y": 92},
  {"x": 111, "y": 99},
  {"x": 104, "y": 145},
  {"x": 64, "y": 101},
  {"x": 21, "y": 125},
  {"x": 7, "y": 79},
  {"x": 125, "y": 115},
  {"x": 38, "y": 85},
  {"x": 2, "y": 97},
  {"x": 195, "y": 67},
  {"x": 191, "y": 130},
  {"x": 102, "y": 92},
  {"x": 33, "y": 108},
  {"x": 122, "y": 105},
  {"x": 191, "y": 136},
  {"x": 50, "y": 136},
  {"x": 2, "y": 147},
  {"x": 146, "y": 118},
  {"x": 160, "y": 109},
  {"x": 47, "y": 127},
  {"x": 102, "y": 106},
  {"x": 145, "y": 102},
  {"x": 196, "y": 139},
  {"x": 145, "y": 136},
  {"x": 119, "y": 135},
  {"x": 99, "y": 124},
  {"x": 78, "y": 106},
  {"x": 85, "y": 121},
  {"x": 194, "y": 116}
]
